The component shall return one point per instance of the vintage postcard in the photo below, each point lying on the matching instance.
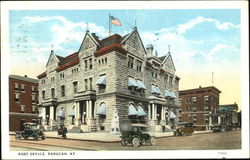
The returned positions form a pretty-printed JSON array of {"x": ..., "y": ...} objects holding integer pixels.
[{"x": 143, "y": 79}]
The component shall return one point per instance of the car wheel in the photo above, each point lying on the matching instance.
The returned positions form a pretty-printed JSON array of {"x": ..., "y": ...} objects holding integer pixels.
[
  {"x": 136, "y": 142},
  {"x": 18, "y": 136},
  {"x": 152, "y": 141},
  {"x": 124, "y": 142},
  {"x": 36, "y": 137}
]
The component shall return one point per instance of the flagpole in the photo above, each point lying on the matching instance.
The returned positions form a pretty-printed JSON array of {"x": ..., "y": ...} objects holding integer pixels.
[{"x": 109, "y": 24}]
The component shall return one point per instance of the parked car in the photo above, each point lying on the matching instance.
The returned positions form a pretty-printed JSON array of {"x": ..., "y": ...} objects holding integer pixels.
[
  {"x": 219, "y": 128},
  {"x": 184, "y": 129},
  {"x": 30, "y": 130},
  {"x": 136, "y": 135}
]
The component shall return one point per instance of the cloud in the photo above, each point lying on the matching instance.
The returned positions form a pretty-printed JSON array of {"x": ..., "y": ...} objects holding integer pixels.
[{"x": 183, "y": 28}]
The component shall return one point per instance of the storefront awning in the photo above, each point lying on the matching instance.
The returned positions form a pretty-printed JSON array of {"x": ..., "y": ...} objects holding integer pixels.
[
  {"x": 167, "y": 93},
  {"x": 172, "y": 94},
  {"x": 132, "y": 82},
  {"x": 132, "y": 110},
  {"x": 155, "y": 90},
  {"x": 61, "y": 113},
  {"x": 141, "y": 112},
  {"x": 172, "y": 115},
  {"x": 140, "y": 84},
  {"x": 102, "y": 109},
  {"x": 101, "y": 80}
]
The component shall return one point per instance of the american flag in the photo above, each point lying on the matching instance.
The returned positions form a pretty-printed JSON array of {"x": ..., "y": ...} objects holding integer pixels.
[{"x": 115, "y": 21}]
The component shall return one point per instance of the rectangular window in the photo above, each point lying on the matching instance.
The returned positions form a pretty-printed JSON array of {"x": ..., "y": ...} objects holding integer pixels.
[
  {"x": 170, "y": 80},
  {"x": 130, "y": 62},
  {"x": 22, "y": 108},
  {"x": 206, "y": 99},
  {"x": 194, "y": 109},
  {"x": 63, "y": 90},
  {"x": 33, "y": 99},
  {"x": 22, "y": 87},
  {"x": 194, "y": 99},
  {"x": 90, "y": 83},
  {"x": 86, "y": 84},
  {"x": 180, "y": 101},
  {"x": 16, "y": 86},
  {"x": 52, "y": 93},
  {"x": 139, "y": 65},
  {"x": 33, "y": 108},
  {"x": 43, "y": 94},
  {"x": 206, "y": 118},
  {"x": 75, "y": 86},
  {"x": 190, "y": 117},
  {"x": 62, "y": 75},
  {"x": 33, "y": 89},
  {"x": 17, "y": 97},
  {"x": 86, "y": 65},
  {"x": 90, "y": 63},
  {"x": 166, "y": 78}
]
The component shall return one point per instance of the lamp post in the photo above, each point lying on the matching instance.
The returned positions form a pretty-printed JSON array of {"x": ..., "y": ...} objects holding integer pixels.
[{"x": 47, "y": 119}]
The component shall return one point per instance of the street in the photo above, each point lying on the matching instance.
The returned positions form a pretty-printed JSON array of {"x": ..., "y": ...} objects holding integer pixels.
[{"x": 206, "y": 141}]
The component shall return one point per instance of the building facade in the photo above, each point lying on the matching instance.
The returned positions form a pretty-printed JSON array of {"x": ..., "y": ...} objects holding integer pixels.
[
  {"x": 199, "y": 106},
  {"x": 22, "y": 101},
  {"x": 107, "y": 83},
  {"x": 228, "y": 115}
]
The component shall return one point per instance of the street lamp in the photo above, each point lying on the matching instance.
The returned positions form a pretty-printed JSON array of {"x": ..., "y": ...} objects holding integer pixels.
[{"x": 47, "y": 118}]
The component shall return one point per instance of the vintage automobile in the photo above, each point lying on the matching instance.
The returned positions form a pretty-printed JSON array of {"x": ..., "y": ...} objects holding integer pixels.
[
  {"x": 184, "y": 129},
  {"x": 219, "y": 128},
  {"x": 30, "y": 130},
  {"x": 136, "y": 135}
]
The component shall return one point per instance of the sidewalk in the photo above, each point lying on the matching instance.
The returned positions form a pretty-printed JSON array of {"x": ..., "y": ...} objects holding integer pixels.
[{"x": 105, "y": 137}]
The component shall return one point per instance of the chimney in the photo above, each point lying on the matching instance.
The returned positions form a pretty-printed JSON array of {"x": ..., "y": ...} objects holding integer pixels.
[
  {"x": 150, "y": 49},
  {"x": 94, "y": 35},
  {"x": 199, "y": 86},
  {"x": 25, "y": 76}
]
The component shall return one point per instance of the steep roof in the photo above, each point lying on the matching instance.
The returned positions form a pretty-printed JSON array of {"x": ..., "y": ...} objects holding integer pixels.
[
  {"x": 228, "y": 107},
  {"x": 162, "y": 58}
]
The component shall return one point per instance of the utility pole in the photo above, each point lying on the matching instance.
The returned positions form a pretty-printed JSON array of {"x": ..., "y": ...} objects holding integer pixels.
[{"x": 109, "y": 25}]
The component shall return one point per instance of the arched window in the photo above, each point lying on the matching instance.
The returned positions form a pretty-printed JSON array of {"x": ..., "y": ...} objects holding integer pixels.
[
  {"x": 101, "y": 111},
  {"x": 132, "y": 113}
]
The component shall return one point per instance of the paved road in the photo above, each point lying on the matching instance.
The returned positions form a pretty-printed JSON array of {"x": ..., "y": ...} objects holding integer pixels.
[{"x": 208, "y": 141}]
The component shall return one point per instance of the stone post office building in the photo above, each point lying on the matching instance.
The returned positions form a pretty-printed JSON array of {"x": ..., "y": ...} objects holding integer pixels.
[{"x": 107, "y": 83}]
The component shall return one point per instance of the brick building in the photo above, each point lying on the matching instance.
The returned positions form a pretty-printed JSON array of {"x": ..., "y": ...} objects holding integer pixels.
[
  {"x": 199, "y": 106},
  {"x": 109, "y": 82},
  {"x": 22, "y": 101}
]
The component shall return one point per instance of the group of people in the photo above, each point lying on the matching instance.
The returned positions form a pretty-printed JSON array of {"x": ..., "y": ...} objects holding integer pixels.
[{"x": 62, "y": 130}]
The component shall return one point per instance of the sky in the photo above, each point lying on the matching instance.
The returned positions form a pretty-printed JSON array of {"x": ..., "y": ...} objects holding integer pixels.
[{"x": 202, "y": 41}]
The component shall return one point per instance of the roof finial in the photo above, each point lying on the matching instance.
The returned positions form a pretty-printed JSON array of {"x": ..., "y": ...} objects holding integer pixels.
[
  {"x": 52, "y": 51},
  {"x": 87, "y": 27},
  {"x": 169, "y": 48},
  {"x": 156, "y": 53},
  {"x": 135, "y": 25}
]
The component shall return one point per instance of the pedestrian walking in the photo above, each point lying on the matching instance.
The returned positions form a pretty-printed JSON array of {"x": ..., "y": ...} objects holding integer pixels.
[
  {"x": 64, "y": 132},
  {"x": 163, "y": 129}
]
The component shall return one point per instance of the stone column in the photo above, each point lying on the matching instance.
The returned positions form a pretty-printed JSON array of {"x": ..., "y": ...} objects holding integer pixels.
[
  {"x": 219, "y": 120},
  {"x": 210, "y": 121},
  {"x": 149, "y": 112},
  {"x": 90, "y": 109},
  {"x": 76, "y": 113},
  {"x": 87, "y": 109},
  {"x": 43, "y": 115},
  {"x": 153, "y": 111},
  {"x": 51, "y": 116},
  {"x": 163, "y": 110}
]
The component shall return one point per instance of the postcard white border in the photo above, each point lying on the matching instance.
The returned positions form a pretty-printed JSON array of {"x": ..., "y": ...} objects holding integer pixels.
[{"x": 56, "y": 5}]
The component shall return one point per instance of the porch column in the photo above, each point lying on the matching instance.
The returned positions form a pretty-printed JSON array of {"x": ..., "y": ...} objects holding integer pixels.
[
  {"x": 219, "y": 120},
  {"x": 90, "y": 109},
  {"x": 153, "y": 111},
  {"x": 87, "y": 109},
  {"x": 51, "y": 115},
  {"x": 76, "y": 113},
  {"x": 163, "y": 113},
  {"x": 43, "y": 115},
  {"x": 149, "y": 111},
  {"x": 210, "y": 121}
]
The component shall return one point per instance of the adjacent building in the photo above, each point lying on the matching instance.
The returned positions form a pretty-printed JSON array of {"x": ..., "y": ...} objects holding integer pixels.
[
  {"x": 109, "y": 82},
  {"x": 22, "y": 101},
  {"x": 228, "y": 115},
  {"x": 199, "y": 106}
]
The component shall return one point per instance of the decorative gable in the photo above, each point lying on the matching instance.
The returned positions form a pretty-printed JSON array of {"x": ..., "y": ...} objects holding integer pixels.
[
  {"x": 52, "y": 62},
  {"x": 134, "y": 42},
  {"x": 88, "y": 42},
  {"x": 168, "y": 63}
]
